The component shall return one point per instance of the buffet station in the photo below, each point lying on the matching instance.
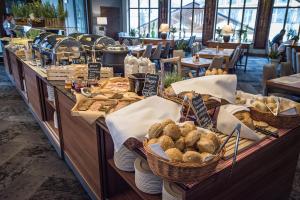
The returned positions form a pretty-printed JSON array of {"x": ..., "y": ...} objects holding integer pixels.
[{"x": 130, "y": 132}]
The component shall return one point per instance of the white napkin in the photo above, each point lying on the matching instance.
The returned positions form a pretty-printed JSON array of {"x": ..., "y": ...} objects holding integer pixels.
[
  {"x": 221, "y": 86},
  {"x": 226, "y": 122},
  {"x": 135, "y": 119}
]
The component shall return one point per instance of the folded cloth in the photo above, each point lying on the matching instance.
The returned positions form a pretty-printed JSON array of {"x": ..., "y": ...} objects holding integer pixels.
[
  {"x": 226, "y": 122},
  {"x": 221, "y": 86},
  {"x": 135, "y": 119}
]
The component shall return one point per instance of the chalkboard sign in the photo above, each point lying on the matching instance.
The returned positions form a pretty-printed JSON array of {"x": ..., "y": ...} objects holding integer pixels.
[
  {"x": 200, "y": 111},
  {"x": 94, "y": 71},
  {"x": 150, "y": 85}
]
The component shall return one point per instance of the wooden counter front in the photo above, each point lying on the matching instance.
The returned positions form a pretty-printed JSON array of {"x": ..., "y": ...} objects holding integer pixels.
[
  {"x": 80, "y": 145},
  {"x": 17, "y": 71},
  {"x": 33, "y": 90}
]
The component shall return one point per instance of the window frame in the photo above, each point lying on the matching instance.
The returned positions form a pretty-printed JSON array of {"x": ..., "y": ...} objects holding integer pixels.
[
  {"x": 287, "y": 7},
  {"x": 149, "y": 8},
  {"x": 230, "y": 8},
  {"x": 181, "y": 9}
]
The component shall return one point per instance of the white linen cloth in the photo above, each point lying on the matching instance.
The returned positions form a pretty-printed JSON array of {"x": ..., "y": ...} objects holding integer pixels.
[
  {"x": 221, "y": 86},
  {"x": 226, "y": 122},
  {"x": 135, "y": 119}
]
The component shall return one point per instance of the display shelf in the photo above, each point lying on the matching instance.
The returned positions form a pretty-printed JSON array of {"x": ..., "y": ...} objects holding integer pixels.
[{"x": 129, "y": 178}]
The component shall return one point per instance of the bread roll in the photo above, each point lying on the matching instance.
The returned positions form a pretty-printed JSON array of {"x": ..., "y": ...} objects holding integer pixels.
[
  {"x": 155, "y": 130},
  {"x": 271, "y": 99},
  {"x": 186, "y": 128},
  {"x": 192, "y": 157},
  {"x": 166, "y": 122},
  {"x": 206, "y": 156},
  {"x": 173, "y": 131},
  {"x": 192, "y": 137},
  {"x": 213, "y": 137},
  {"x": 206, "y": 145},
  {"x": 166, "y": 142},
  {"x": 214, "y": 71},
  {"x": 220, "y": 71},
  {"x": 174, "y": 154},
  {"x": 180, "y": 144},
  {"x": 260, "y": 106}
]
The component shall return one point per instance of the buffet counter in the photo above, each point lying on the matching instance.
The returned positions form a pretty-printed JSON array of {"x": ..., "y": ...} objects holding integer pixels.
[{"x": 263, "y": 171}]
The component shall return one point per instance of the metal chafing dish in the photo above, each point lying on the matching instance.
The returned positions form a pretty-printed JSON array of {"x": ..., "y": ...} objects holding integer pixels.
[
  {"x": 60, "y": 50},
  {"x": 36, "y": 43},
  {"x": 76, "y": 35},
  {"x": 88, "y": 43}
]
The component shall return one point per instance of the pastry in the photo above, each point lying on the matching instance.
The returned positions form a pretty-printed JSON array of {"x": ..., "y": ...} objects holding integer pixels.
[
  {"x": 155, "y": 130},
  {"x": 192, "y": 137},
  {"x": 245, "y": 117},
  {"x": 208, "y": 73},
  {"x": 206, "y": 145},
  {"x": 84, "y": 106},
  {"x": 186, "y": 128},
  {"x": 166, "y": 122},
  {"x": 225, "y": 72},
  {"x": 180, "y": 144},
  {"x": 173, "y": 131},
  {"x": 166, "y": 142},
  {"x": 95, "y": 106},
  {"x": 260, "y": 124},
  {"x": 220, "y": 71},
  {"x": 272, "y": 106},
  {"x": 271, "y": 99},
  {"x": 192, "y": 157},
  {"x": 214, "y": 71},
  {"x": 213, "y": 137},
  {"x": 260, "y": 106},
  {"x": 174, "y": 154}
]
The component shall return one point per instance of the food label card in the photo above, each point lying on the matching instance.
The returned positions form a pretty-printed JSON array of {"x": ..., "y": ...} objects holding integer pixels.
[
  {"x": 200, "y": 110},
  {"x": 94, "y": 71},
  {"x": 150, "y": 85}
]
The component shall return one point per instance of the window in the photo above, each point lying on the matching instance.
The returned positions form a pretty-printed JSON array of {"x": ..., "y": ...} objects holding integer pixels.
[
  {"x": 187, "y": 17},
  {"x": 286, "y": 15},
  {"x": 240, "y": 14},
  {"x": 143, "y": 17}
]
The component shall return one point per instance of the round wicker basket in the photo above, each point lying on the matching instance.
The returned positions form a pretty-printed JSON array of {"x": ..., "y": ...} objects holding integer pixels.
[
  {"x": 279, "y": 121},
  {"x": 180, "y": 172}
]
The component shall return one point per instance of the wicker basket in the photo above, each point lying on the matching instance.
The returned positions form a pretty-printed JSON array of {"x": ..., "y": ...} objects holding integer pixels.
[
  {"x": 180, "y": 172},
  {"x": 280, "y": 121}
]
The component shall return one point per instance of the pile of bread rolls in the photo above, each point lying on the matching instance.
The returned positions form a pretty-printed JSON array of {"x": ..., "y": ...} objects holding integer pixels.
[
  {"x": 184, "y": 143},
  {"x": 215, "y": 71},
  {"x": 266, "y": 104},
  {"x": 245, "y": 117}
]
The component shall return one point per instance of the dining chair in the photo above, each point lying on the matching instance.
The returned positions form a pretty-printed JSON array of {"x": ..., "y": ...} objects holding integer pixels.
[
  {"x": 294, "y": 60},
  {"x": 135, "y": 42},
  {"x": 288, "y": 54},
  {"x": 148, "y": 51},
  {"x": 232, "y": 63},
  {"x": 155, "y": 57},
  {"x": 126, "y": 42},
  {"x": 166, "y": 52},
  {"x": 269, "y": 72},
  {"x": 297, "y": 63},
  {"x": 286, "y": 69},
  {"x": 190, "y": 43},
  {"x": 217, "y": 62}
]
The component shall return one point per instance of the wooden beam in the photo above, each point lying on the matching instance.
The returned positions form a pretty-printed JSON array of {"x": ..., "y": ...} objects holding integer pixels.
[
  {"x": 263, "y": 23},
  {"x": 209, "y": 20}
]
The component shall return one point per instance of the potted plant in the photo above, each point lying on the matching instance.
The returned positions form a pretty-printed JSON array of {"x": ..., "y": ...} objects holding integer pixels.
[
  {"x": 152, "y": 30},
  {"x": 173, "y": 30},
  {"x": 21, "y": 13},
  {"x": 180, "y": 48},
  {"x": 171, "y": 78},
  {"x": 219, "y": 34},
  {"x": 274, "y": 56},
  {"x": 295, "y": 39},
  {"x": 132, "y": 32},
  {"x": 61, "y": 14}
]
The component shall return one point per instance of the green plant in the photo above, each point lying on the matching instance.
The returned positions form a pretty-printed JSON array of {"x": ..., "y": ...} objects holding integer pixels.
[
  {"x": 61, "y": 12},
  {"x": 21, "y": 10},
  {"x": 274, "y": 54},
  {"x": 32, "y": 33},
  {"x": 173, "y": 29},
  {"x": 291, "y": 33},
  {"x": 181, "y": 45},
  {"x": 171, "y": 78},
  {"x": 295, "y": 38},
  {"x": 132, "y": 32},
  {"x": 49, "y": 10}
]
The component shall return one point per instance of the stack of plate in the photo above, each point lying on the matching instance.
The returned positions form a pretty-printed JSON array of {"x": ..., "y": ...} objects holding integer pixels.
[
  {"x": 170, "y": 192},
  {"x": 145, "y": 180},
  {"x": 124, "y": 159}
]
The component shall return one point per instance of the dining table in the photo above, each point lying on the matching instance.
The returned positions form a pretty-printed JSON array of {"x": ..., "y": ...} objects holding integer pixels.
[
  {"x": 196, "y": 65},
  {"x": 287, "y": 84},
  {"x": 212, "y": 52},
  {"x": 138, "y": 50}
]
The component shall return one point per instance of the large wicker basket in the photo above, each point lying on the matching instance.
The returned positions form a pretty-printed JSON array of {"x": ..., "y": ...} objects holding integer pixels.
[
  {"x": 180, "y": 172},
  {"x": 280, "y": 121}
]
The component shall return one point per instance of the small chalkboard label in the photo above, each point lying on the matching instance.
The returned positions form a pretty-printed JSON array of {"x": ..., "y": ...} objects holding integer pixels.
[
  {"x": 150, "y": 85},
  {"x": 94, "y": 71},
  {"x": 200, "y": 111}
]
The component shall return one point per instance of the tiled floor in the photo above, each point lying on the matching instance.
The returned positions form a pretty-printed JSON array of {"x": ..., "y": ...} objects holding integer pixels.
[{"x": 30, "y": 167}]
